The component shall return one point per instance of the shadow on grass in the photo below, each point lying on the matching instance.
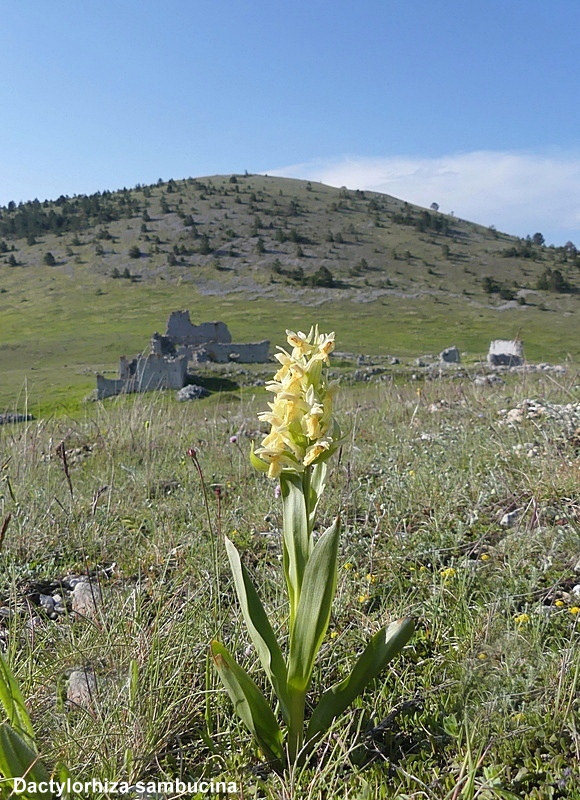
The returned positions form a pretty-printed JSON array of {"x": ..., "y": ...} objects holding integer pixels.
[{"x": 213, "y": 384}]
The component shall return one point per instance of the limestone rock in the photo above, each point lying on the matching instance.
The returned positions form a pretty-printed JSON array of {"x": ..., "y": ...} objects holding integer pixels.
[
  {"x": 192, "y": 392},
  {"x": 82, "y": 688},
  {"x": 509, "y": 520},
  {"x": 450, "y": 355},
  {"x": 86, "y": 599}
]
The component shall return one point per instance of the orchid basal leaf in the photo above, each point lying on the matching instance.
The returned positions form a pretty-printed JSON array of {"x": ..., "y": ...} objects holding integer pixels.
[
  {"x": 13, "y": 702},
  {"x": 313, "y": 613},
  {"x": 19, "y": 760},
  {"x": 249, "y": 703},
  {"x": 259, "y": 627},
  {"x": 383, "y": 646}
]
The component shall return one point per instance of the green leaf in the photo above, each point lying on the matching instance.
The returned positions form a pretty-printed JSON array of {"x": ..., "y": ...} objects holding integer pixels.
[
  {"x": 249, "y": 703},
  {"x": 19, "y": 760},
  {"x": 259, "y": 627},
  {"x": 316, "y": 487},
  {"x": 296, "y": 539},
  {"x": 313, "y": 613},
  {"x": 383, "y": 646},
  {"x": 13, "y": 702},
  {"x": 256, "y": 462}
]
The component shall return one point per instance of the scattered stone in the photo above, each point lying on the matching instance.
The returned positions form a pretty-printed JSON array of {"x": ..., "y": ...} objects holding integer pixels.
[
  {"x": 86, "y": 599},
  {"x": 394, "y": 361},
  {"x": 82, "y": 688},
  {"x": 529, "y": 448},
  {"x": 70, "y": 581},
  {"x": 514, "y": 416},
  {"x": 192, "y": 392},
  {"x": 450, "y": 356},
  {"x": 487, "y": 380},
  {"x": 11, "y": 417},
  {"x": 558, "y": 369},
  {"x": 509, "y": 520},
  {"x": 440, "y": 405},
  {"x": 568, "y": 415},
  {"x": 47, "y": 602}
]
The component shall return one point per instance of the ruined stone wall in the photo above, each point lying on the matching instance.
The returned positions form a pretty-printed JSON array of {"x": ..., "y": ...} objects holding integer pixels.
[
  {"x": 253, "y": 353},
  {"x": 159, "y": 372},
  {"x": 143, "y": 375},
  {"x": 166, "y": 365},
  {"x": 181, "y": 330},
  {"x": 506, "y": 352},
  {"x": 110, "y": 387}
]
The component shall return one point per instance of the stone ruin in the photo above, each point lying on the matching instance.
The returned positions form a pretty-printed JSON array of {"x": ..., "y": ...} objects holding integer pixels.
[
  {"x": 165, "y": 366},
  {"x": 506, "y": 353}
]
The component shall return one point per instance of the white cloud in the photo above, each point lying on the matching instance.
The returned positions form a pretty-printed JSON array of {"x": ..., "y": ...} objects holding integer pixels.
[{"x": 519, "y": 193}]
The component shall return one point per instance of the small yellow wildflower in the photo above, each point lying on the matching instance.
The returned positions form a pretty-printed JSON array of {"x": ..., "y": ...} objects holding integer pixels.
[
  {"x": 574, "y": 610},
  {"x": 559, "y": 603},
  {"x": 334, "y": 634},
  {"x": 485, "y": 556},
  {"x": 521, "y": 619},
  {"x": 348, "y": 565},
  {"x": 362, "y": 598},
  {"x": 482, "y": 656},
  {"x": 448, "y": 572},
  {"x": 371, "y": 578}
]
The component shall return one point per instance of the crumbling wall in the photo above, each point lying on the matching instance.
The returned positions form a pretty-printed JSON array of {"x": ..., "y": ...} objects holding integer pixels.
[
  {"x": 181, "y": 330},
  {"x": 144, "y": 374},
  {"x": 506, "y": 352},
  {"x": 110, "y": 387},
  {"x": 252, "y": 353},
  {"x": 162, "y": 345},
  {"x": 159, "y": 372},
  {"x": 166, "y": 365}
]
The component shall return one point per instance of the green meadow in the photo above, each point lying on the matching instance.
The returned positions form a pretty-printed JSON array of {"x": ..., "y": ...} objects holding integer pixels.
[{"x": 481, "y": 703}]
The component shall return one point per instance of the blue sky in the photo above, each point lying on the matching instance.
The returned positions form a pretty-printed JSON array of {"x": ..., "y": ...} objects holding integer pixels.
[{"x": 473, "y": 105}]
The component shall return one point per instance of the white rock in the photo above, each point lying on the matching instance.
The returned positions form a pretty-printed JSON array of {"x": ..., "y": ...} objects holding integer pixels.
[
  {"x": 509, "y": 520},
  {"x": 82, "y": 688},
  {"x": 86, "y": 599}
]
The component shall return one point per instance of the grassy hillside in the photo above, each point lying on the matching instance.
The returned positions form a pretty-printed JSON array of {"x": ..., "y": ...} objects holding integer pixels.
[{"x": 86, "y": 279}]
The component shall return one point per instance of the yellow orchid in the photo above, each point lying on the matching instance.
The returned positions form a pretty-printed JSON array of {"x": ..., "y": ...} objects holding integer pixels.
[
  {"x": 303, "y": 429},
  {"x": 303, "y": 435}
]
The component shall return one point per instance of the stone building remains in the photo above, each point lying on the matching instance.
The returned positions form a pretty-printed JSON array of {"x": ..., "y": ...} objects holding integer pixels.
[
  {"x": 506, "y": 353},
  {"x": 165, "y": 366}
]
